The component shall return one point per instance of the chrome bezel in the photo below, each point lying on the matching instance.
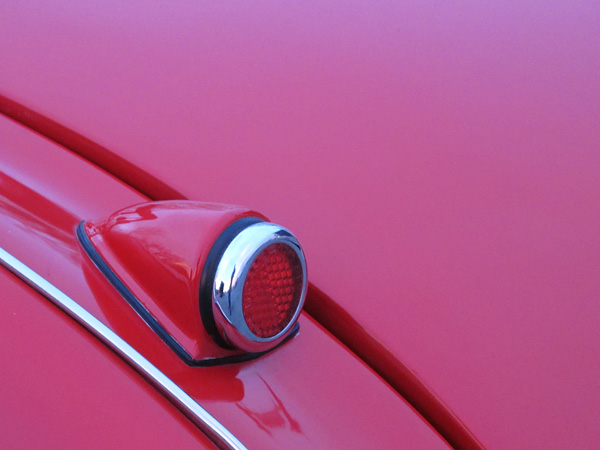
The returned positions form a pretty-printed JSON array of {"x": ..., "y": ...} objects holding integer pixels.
[{"x": 230, "y": 276}]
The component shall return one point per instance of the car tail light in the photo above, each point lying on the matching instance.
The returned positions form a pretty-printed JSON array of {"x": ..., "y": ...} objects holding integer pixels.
[
  {"x": 272, "y": 290},
  {"x": 255, "y": 281}
]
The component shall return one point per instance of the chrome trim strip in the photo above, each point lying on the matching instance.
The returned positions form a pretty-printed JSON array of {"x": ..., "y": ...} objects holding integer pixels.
[{"x": 221, "y": 437}]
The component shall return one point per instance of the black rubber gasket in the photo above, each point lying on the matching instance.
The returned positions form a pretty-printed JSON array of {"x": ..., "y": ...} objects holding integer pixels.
[{"x": 153, "y": 323}]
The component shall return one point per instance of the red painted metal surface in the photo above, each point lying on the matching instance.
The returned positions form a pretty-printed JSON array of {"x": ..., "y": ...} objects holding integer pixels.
[
  {"x": 63, "y": 389},
  {"x": 438, "y": 161},
  {"x": 158, "y": 250},
  {"x": 295, "y": 397}
]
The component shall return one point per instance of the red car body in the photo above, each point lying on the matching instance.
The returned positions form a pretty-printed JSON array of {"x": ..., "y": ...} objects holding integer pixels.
[{"x": 439, "y": 162}]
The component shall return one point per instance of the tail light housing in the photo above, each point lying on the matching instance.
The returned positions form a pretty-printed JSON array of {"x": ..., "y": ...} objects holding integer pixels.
[{"x": 217, "y": 283}]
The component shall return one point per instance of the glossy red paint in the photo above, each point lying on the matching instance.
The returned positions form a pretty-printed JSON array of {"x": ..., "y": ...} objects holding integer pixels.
[
  {"x": 296, "y": 397},
  {"x": 437, "y": 160},
  {"x": 61, "y": 388},
  {"x": 158, "y": 250}
]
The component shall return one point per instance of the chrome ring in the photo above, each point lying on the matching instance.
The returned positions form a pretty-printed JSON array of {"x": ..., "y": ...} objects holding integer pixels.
[{"x": 230, "y": 276}]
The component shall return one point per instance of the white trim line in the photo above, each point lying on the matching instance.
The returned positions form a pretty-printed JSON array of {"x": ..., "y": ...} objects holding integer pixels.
[{"x": 222, "y": 437}]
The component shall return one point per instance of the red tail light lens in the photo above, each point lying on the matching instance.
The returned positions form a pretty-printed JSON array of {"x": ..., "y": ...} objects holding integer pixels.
[
  {"x": 258, "y": 287},
  {"x": 272, "y": 290}
]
